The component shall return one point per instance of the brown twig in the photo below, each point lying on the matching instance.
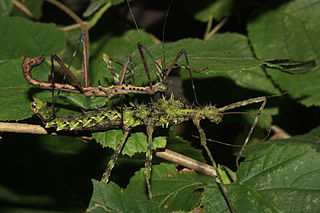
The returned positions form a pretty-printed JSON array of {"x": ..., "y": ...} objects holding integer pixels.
[
  {"x": 167, "y": 154},
  {"x": 83, "y": 25},
  {"x": 23, "y": 8},
  {"x": 22, "y": 128},
  {"x": 187, "y": 162},
  {"x": 70, "y": 27},
  {"x": 215, "y": 29}
]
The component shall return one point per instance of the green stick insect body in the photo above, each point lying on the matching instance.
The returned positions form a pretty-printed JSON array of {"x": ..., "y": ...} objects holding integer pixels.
[{"x": 161, "y": 113}]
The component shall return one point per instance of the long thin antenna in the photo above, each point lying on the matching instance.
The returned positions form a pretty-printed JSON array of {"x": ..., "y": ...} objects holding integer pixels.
[
  {"x": 134, "y": 21},
  {"x": 163, "y": 36},
  {"x": 157, "y": 66}
]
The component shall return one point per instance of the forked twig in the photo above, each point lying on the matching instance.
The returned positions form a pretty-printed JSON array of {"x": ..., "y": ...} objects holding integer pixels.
[{"x": 215, "y": 29}]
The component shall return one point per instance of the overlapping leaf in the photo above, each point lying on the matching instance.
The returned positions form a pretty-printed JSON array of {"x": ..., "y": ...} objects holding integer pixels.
[
  {"x": 290, "y": 32},
  {"x": 172, "y": 191},
  {"x": 269, "y": 179}
]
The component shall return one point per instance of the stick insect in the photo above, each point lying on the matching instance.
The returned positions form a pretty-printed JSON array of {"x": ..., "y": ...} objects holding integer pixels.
[
  {"x": 160, "y": 113},
  {"x": 157, "y": 111},
  {"x": 110, "y": 92}
]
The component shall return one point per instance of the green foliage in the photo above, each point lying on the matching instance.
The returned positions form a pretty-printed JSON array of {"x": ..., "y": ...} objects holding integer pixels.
[
  {"x": 52, "y": 174},
  {"x": 97, "y": 4},
  {"x": 206, "y": 10},
  {"x": 269, "y": 179},
  {"x": 5, "y": 7},
  {"x": 172, "y": 191},
  {"x": 137, "y": 142},
  {"x": 291, "y": 31}
]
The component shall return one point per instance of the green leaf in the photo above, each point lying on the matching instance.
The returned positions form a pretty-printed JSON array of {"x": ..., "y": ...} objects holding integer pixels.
[
  {"x": 34, "y": 40},
  {"x": 5, "y": 7},
  {"x": 178, "y": 144},
  {"x": 312, "y": 139},
  {"x": 290, "y": 32},
  {"x": 172, "y": 191},
  {"x": 15, "y": 92},
  {"x": 226, "y": 55},
  {"x": 81, "y": 101},
  {"x": 136, "y": 142},
  {"x": 269, "y": 179},
  {"x": 111, "y": 198},
  {"x": 205, "y": 10},
  {"x": 94, "y": 6},
  {"x": 118, "y": 48}
]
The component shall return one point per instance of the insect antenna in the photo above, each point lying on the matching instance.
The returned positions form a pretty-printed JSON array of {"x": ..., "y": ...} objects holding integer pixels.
[
  {"x": 166, "y": 71},
  {"x": 141, "y": 47}
]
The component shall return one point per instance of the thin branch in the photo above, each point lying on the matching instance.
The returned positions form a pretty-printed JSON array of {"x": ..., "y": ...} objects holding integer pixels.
[
  {"x": 215, "y": 29},
  {"x": 22, "y": 128},
  {"x": 187, "y": 162},
  {"x": 98, "y": 14},
  {"x": 209, "y": 25},
  {"x": 167, "y": 154},
  {"x": 83, "y": 24},
  {"x": 70, "y": 27},
  {"x": 23, "y": 8}
]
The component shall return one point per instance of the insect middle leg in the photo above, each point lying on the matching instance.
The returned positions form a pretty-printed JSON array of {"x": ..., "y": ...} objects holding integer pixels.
[{"x": 114, "y": 157}]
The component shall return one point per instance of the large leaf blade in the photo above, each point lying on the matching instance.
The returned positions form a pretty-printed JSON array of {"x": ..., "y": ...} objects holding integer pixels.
[{"x": 290, "y": 32}]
